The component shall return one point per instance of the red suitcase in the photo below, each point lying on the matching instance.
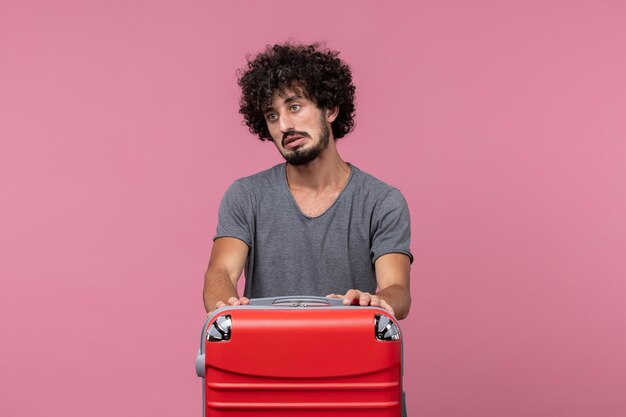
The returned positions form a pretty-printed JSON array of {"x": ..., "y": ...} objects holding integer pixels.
[{"x": 301, "y": 356}]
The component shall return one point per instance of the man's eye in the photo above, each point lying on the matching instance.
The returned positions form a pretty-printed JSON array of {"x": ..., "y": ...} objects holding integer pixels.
[
  {"x": 271, "y": 117},
  {"x": 294, "y": 107}
]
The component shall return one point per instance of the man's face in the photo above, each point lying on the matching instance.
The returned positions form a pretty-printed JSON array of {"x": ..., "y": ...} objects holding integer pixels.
[{"x": 300, "y": 130}]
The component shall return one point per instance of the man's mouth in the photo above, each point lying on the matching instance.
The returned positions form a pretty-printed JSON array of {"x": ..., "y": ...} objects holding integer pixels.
[{"x": 293, "y": 141}]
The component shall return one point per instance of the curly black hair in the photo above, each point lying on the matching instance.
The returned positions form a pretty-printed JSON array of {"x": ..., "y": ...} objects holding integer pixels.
[{"x": 323, "y": 77}]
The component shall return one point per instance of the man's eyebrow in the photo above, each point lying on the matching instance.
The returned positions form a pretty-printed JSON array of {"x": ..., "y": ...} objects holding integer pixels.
[
  {"x": 292, "y": 98},
  {"x": 288, "y": 100}
]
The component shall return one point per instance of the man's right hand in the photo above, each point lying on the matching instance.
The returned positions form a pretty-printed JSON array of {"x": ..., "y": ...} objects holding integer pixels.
[{"x": 232, "y": 301}]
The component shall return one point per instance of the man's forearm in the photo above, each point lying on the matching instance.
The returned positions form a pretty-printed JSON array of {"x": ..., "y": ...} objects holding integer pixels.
[
  {"x": 399, "y": 298},
  {"x": 217, "y": 287}
]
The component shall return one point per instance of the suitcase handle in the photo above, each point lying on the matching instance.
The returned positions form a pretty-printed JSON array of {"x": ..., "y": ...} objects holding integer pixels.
[{"x": 297, "y": 301}]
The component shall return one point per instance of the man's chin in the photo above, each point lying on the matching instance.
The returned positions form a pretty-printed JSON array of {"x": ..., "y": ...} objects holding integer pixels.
[{"x": 302, "y": 157}]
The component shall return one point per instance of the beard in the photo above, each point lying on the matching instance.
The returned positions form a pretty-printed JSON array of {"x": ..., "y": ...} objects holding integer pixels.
[{"x": 304, "y": 156}]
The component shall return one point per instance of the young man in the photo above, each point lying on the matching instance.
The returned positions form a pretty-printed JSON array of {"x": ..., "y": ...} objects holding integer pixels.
[{"x": 314, "y": 225}]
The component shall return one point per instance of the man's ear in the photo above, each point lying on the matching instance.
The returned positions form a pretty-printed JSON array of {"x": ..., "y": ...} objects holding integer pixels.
[{"x": 332, "y": 113}]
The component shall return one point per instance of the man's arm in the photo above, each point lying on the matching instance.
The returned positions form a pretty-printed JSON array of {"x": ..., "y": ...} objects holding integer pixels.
[
  {"x": 228, "y": 258},
  {"x": 392, "y": 278}
]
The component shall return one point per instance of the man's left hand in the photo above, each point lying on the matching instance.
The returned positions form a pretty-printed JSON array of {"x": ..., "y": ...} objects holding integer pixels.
[{"x": 361, "y": 298}]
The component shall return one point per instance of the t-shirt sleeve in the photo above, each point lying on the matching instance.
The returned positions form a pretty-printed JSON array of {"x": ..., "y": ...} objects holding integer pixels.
[
  {"x": 236, "y": 216},
  {"x": 391, "y": 227}
]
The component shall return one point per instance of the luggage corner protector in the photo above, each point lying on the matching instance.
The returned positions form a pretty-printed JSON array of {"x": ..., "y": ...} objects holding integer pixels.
[{"x": 200, "y": 370}]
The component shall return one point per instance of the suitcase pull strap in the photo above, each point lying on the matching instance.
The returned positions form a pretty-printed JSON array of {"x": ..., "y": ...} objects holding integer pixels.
[{"x": 297, "y": 301}]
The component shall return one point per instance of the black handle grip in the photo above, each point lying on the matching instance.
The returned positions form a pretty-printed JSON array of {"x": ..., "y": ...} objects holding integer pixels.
[{"x": 297, "y": 301}]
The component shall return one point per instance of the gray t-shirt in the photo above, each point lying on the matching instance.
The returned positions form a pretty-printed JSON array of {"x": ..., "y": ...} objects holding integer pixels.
[{"x": 294, "y": 254}]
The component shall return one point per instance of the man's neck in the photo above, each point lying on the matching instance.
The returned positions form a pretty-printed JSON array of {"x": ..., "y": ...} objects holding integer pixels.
[{"x": 328, "y": 170}]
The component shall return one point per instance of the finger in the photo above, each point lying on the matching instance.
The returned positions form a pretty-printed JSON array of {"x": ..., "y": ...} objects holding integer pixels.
[
  {"x": 365, "y": 299},
  {"x": 350, "y": 296},
  {"x": 244, "y": 301},
  {"x": 375, "y": 301},
  {"x": 233, "y": 301},
  {"x": 219, "y": 304},
  {"x": 387, "y": 307}
]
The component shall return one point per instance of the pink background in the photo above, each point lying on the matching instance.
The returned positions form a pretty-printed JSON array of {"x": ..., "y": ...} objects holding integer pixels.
[{"x": 503, "y": 123}]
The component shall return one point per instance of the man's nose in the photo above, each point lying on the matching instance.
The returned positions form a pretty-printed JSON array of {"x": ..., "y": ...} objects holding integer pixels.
[{"x": 285, "y": 123}]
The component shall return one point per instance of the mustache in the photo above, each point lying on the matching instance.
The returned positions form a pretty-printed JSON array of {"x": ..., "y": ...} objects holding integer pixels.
[{"x": 294, "y": 133}]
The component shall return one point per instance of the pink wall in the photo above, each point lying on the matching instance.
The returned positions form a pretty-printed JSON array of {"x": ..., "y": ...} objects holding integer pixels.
[{"x": 503, "y": 122}]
